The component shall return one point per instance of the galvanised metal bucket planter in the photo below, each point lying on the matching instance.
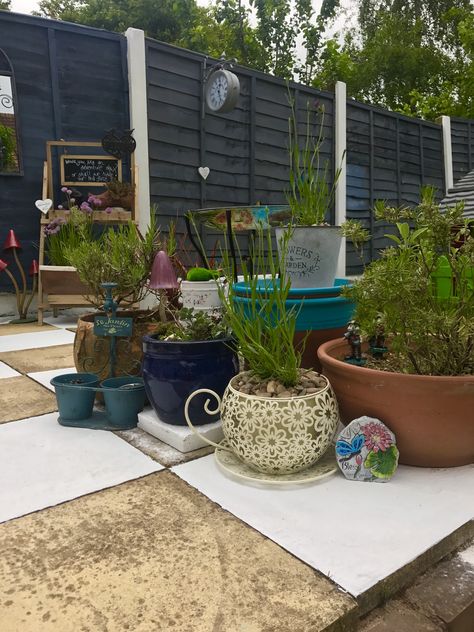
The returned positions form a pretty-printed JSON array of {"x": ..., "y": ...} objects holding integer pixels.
[
  {"x": 75, "y": 393},
  {"x": 322, "y": 314},
  {"x": 172, "y": 370},
  {"x": 312, "y": 253}
]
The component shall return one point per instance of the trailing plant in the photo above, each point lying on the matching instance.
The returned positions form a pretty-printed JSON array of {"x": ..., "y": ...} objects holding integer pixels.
[
  {"x": 190, "y": 325},
  {"x": 120, "y": 255},
  {"x": 422, "y": 290},
  {"x": 310, "y": 196}
]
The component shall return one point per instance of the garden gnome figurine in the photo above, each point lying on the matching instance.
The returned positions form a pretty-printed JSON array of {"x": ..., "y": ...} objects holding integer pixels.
[
  {"x": 354, "y": 340},
  {"x": 377, "y": 341}
]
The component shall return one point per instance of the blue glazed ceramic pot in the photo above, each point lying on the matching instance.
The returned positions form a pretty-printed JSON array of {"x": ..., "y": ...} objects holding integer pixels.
[{"x": 172, "y": 370}]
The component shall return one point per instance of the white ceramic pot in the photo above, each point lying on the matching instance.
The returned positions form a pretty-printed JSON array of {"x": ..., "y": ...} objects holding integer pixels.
[
  {"x": 201, "y": 295},
  {"x": 273, "y": 435},
  {"x": 311, "y": 256}
]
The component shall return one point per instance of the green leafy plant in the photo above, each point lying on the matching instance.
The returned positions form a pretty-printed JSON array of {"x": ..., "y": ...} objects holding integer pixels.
[
  {"x": 310, "y": 196},
  {"x": 422, "y": 290},
  {"x": 120, "y": 255},
  {"x": 263, "y": 326},
  {"x": 7, "y": 148},
  {"x": 190, "y": 325}
]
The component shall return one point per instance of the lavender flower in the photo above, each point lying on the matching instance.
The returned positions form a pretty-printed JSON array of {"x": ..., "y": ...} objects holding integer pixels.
[
  {"x": 85, "y": 207},
  {"x": 68, "y": 191},
  {"x": 109, "y": 210},
  {"x": 54, "y": 227},
  {"x": 64, "y": 189}
]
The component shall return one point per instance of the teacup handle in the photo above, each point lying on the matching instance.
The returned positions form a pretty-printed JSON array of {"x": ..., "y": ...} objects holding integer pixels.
[{"x": 208, "y": 411}]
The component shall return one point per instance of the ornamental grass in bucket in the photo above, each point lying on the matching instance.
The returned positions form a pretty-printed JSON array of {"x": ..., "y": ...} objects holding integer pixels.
[{"x": 276, "y": 417}]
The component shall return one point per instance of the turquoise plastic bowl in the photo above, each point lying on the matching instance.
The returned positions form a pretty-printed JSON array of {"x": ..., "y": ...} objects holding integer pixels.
[{"x": 318, "y": 308}]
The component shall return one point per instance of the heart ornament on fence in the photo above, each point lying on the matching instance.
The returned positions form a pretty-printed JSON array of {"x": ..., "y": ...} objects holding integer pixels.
[
  {"x": 204, "y": 172},
  {"x": 44, "y": 205}
]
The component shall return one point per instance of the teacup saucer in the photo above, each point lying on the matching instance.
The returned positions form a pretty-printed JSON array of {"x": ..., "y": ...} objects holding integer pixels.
[{"x": 229, "y": 462}]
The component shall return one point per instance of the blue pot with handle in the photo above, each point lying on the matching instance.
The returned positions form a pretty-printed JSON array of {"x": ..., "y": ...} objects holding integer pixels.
[{"x": 174, "y": 369}]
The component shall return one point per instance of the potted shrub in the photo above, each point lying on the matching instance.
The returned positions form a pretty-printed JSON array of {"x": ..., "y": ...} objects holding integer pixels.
[
  {"x": 276, "y": 417},
  {"x": 423, "y": 388},
  {"x": 124, "y": 257},
  {"x": 314, "y": 245},
  {"x": 194, "y": 350}
]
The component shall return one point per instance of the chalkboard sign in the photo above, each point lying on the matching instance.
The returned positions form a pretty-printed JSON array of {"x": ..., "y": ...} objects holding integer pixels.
[{"x": 89, "y": 170}]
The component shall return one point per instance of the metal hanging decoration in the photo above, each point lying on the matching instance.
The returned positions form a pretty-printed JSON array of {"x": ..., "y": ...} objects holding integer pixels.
[{"x": 119, "y": 143}]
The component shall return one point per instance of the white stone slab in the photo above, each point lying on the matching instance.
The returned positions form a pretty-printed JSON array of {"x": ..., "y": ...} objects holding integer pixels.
[
  {"x": 355, "y": 533},
  {"x": 45, "y": 377},
  {"x": 35, "y": 340},
  {"x": 65, "y": 320},
  {"x": 43, "y": 464},
  {"x": 180, "y": 437},
  {"x": 6, "y": 371}
]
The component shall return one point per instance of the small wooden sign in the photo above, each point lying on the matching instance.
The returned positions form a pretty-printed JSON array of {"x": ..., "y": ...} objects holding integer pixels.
[
  {"x": 89, "y": 170},
  {"x": 113, "y": 326}
]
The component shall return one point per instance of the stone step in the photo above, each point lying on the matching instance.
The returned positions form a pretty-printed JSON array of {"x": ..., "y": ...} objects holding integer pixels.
[{"x": 442, "y": 599}]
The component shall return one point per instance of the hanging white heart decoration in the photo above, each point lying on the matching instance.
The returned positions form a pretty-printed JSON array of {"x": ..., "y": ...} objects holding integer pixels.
[
  {"x": 44, "y": 205},
  {"x": 204, "y": 172}
]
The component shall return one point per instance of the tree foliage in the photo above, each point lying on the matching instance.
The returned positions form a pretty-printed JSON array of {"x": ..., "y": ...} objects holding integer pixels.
[
  {"x": 5, "y": 5},
  {"x": 413, "y": 56}
]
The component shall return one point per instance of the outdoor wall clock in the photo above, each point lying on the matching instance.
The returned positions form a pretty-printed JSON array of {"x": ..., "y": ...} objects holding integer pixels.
[{"x": 222, "y": 90}]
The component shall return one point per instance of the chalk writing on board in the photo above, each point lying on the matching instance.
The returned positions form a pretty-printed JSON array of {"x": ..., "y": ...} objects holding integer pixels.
[{"x": 89, "y": 170}]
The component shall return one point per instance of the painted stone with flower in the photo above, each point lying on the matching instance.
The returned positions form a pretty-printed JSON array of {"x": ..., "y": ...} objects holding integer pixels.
[{"x": 366, "y": 450}]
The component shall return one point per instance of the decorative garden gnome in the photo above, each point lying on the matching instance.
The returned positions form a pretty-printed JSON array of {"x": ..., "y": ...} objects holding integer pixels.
[{"x": 366, "y": 451}]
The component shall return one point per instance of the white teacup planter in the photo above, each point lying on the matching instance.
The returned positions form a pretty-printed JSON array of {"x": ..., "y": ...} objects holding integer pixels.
[
  {"x": 201, "y": 295},
  {"x": 275, "y": 435}
]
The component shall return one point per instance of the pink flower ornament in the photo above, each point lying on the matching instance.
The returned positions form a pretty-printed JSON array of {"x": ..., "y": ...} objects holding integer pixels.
[{"x": 376, "y": 437}]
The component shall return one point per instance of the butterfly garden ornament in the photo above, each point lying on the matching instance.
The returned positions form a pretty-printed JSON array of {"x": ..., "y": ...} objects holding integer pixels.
[{"x": 366, "y": 451}]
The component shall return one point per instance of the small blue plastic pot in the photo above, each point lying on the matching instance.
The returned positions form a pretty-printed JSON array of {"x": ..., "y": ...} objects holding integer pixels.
[
  {"x": 75, "y": 394},
  {"x": 124, "y": 398}
]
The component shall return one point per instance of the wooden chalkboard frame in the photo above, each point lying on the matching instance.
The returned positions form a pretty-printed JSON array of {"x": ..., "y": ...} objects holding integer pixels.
[{"x": 65, "y": 182}]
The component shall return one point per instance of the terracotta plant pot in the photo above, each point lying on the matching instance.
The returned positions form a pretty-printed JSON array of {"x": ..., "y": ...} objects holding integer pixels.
[
  {"x": 91, "y": 353},
  {"x": 273, "y": 435},
  {"x": 432, "y": 416}
]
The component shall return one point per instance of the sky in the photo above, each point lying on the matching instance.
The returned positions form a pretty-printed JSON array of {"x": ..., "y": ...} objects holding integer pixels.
[{"x": 27, "y": 6}]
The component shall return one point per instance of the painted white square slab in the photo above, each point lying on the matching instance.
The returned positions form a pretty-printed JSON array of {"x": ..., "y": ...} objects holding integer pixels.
[
  {"x": 45, "y": 377},
  {"x": 6, "y": 371},
  {"x": 180, "y": 437},
  {"x": 43, "y": 464},
  {"x": 355, "y": 533},
  {"x": 64, "y": 320},
  {"x": 34, "y": 340}
]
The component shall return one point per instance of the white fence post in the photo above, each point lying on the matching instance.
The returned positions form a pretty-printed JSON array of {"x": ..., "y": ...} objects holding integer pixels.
[
  {"x": 139, "y": 121},
  {"x": 340, "y": 163},
  {"x": 445, "y": 123}
]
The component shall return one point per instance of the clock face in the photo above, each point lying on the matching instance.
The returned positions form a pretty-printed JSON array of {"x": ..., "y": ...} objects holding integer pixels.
[
  {"x": 218, "y": 91},
  {"x": 222, "y": 91}
]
